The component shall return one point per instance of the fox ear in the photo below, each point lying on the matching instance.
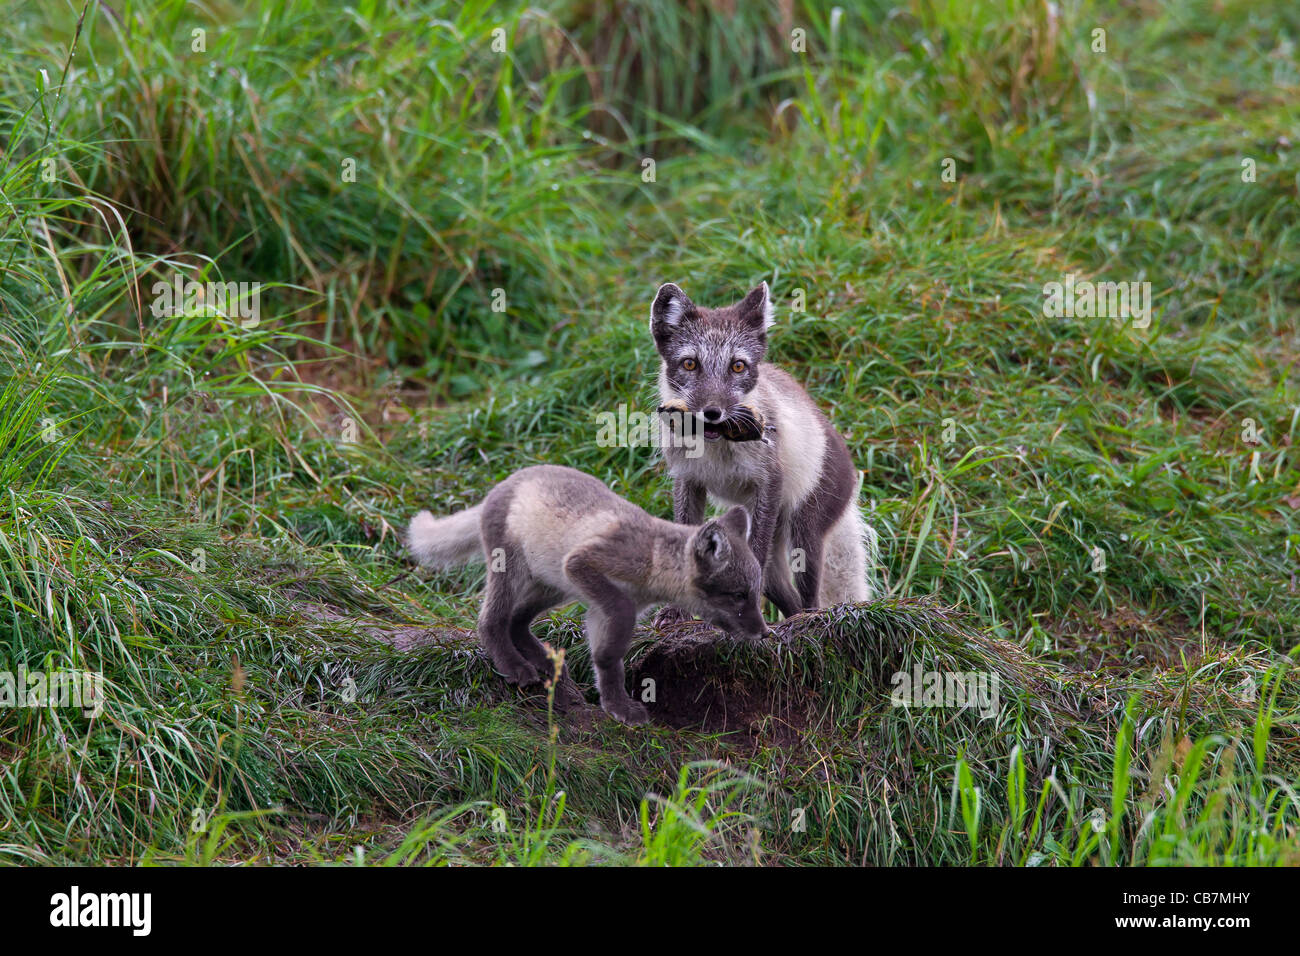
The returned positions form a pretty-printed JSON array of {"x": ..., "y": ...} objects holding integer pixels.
[
  {"x": 712, "y": 549},
  {"x": 737, "y": 522},
  {"x": 666, "y": 311},
  {"x": 755, "y": 310}
]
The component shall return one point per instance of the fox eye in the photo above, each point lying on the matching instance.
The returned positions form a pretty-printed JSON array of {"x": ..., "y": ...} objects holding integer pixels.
[
  {"x": 688, "y": 364},
  {"x": 738, "y": 366}
]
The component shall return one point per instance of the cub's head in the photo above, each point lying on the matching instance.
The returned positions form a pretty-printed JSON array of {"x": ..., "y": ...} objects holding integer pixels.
[
  {"x": 711, "y": 356},
  {"x": 727, "y": 581}
]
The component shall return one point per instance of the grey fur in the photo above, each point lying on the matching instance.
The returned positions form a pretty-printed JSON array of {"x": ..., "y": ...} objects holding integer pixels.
[
  {"x": 801, "y": 487},
  {"x": 551, "y": 535}
]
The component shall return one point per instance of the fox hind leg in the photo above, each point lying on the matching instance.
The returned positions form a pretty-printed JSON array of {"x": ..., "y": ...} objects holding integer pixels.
[
  {"x": 777, "y": 585},
  {"x": 496, "y": 631},
  {"x": 521, "y": 634},
  {"x": 809, "y": 577}
]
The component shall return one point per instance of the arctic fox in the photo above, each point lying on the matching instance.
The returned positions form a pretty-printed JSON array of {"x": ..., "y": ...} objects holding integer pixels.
[
  {"x": 551, "y": 535},
  {"x": 799, "y": 482}
]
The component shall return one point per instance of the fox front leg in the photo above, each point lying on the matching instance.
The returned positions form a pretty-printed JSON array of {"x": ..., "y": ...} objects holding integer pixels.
[
  {"x": 611, "y": 616},
  {"x": 689, "y": 500},
  {"x": 609, "y": 632},
  {"x": 767, "y": 513}
]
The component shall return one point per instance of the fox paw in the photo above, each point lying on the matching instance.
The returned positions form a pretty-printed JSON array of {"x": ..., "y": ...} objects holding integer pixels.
[{"x": 626, "y": 711}]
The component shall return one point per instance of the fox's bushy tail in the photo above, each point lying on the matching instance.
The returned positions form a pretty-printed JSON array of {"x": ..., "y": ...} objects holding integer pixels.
[
  {"x": 850, "y": 558},
  {"x": 446, "y": 542}
]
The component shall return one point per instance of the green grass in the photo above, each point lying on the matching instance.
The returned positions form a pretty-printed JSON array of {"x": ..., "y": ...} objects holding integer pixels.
[{"x": 205, "y": 513}]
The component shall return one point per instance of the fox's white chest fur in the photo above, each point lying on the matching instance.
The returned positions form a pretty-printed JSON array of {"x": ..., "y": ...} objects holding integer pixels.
[{"x": 733, "y": 471}]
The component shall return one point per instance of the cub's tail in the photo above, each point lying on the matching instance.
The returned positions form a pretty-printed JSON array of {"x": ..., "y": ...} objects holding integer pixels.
[{"x": 446, "y": 542}]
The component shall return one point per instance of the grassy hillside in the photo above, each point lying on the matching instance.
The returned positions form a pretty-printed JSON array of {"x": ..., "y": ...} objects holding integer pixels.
[{"x": 458, "y": 232}]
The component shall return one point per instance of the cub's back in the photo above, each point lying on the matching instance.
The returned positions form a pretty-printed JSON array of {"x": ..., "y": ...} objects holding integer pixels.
[{"x": 545, "y": 511}]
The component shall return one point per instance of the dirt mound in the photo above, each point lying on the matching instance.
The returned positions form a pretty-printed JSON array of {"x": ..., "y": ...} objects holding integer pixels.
[
  {"x": 814, "y": 669},
  {"x": 692, "y": 677},
  {"x": 814, "y": 665}
]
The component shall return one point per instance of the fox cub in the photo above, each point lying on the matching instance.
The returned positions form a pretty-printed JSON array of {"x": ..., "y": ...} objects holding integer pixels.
[
  {"x": 799, "y": 482},
  {"x": 551, "y": 535}
]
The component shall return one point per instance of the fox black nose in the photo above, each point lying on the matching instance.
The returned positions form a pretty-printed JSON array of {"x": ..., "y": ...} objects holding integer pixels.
[{"x": 712, "y": 413}]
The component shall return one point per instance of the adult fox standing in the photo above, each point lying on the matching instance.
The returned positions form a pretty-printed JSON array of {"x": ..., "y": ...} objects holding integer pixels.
[{"x": 799, "y": 485}]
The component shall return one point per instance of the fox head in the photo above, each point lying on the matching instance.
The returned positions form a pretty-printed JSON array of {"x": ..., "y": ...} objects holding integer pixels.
[
  {"x": 711, "y": 356},
  {"x": 727, "y": 581}
]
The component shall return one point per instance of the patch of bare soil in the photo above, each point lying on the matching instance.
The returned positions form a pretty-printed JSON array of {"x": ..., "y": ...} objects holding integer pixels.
[{"x": 698, "y": 685}]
